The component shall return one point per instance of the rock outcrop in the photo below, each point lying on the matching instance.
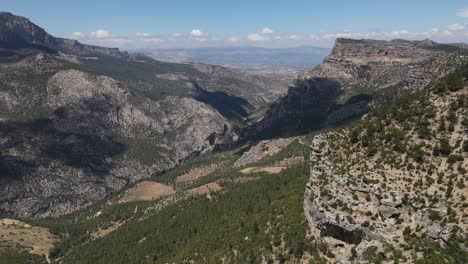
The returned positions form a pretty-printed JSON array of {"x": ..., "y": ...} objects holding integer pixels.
[
  {"x": 340, "y": 230},
  {"x": 261, "y": 150},
  {"x": 356, "y": 75},
  {"x": 381, "y": 188}
]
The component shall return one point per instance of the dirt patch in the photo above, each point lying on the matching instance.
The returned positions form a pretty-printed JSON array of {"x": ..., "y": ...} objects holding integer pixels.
[
  {"x": 273, "y": 170},
  {"x": 263, "y": 149},
  {"x": 147, "y": 191},
  {"x": 105, "y": 231},
  {"x": 205, "y": 189},
  {"x": 196, "y": 173},
  {"x": 36, "y": 240}
]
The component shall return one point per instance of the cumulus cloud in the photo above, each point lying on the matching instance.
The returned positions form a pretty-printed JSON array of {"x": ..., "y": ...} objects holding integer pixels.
[
  {"x": 255, "y": 37},
  {"x": 196, "y": 38},
  {"x": 196, "y": 33},
  {"x": 100, "y": 33},
  {"x": 77, "y": 35},
  {"x": 463, "y": 12},
  {"x": 267, "y": 30}
]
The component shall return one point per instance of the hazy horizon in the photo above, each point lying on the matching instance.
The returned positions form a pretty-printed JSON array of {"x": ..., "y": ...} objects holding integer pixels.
[{"x": 181, "y": 24}]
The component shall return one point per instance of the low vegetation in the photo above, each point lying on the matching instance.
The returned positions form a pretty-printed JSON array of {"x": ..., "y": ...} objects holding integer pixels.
[{"x": 249, "y": 221}]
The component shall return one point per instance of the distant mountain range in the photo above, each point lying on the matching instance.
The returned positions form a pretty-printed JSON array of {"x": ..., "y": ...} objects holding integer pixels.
[{"x": 300, "y": 57}]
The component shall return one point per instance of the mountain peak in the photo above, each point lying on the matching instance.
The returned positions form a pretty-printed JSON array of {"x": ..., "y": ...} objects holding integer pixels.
[
  {"x": 16, "y": 30},
  {"x": 19, "y": 32}
]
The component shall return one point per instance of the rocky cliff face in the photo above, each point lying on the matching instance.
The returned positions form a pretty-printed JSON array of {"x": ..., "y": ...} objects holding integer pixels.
[
  {"x": 70, "y": 137},
  {"x": 18, "y": 32},
  {"x": 393, "y": 184},
  {"x": 355, "y": 75}
]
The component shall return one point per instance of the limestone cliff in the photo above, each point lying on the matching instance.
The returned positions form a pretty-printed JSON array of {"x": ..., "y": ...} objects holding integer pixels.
[
  {"x": 356, "y": 75},
  {"x": 18, "y": 32},
  {"x": 392, "y": 186}
]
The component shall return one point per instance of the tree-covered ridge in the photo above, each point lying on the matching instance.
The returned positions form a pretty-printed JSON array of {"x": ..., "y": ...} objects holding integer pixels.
[
  {"x": 427, "y": 125},
  {"x": 401, "y": 172}
]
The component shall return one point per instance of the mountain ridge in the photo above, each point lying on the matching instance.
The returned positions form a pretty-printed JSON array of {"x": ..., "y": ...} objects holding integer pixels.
[
  {"x": 79, "y": 122},
  {"x": 16, "y": 31},
  {"x": 357, "y": 74}
]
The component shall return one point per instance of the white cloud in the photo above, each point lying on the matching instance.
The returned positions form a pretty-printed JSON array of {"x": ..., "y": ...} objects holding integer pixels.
[
  {"x": 197, "y": 38},
  {"x": 463, "y": 12},
  {"x": 77, "y": 35},
  {"x": 267, "y": 30},
  {"x": 456, "y": 27},
  {"x": 100, "y": 33},
  {"x": 294, "y": 37},
  {"x": 196, "y": 33},
  {"x": 255, "y": 37},
  {"x": 143, "y": 35}
]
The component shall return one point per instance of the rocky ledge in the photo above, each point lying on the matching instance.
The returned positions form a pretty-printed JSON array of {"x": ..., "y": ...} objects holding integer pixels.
[{"x": 353, "y": 217}]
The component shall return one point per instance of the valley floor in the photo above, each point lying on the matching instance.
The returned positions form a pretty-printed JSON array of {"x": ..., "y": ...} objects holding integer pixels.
[{"x": 206, "y": 211}]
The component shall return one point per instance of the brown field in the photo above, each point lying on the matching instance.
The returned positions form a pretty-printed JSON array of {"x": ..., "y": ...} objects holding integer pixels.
[
  {"x": 147, "y": 191},
  {"x": 17, "y": 234},
  {"x": 205, "y": 189},
  {"x": 273, "y": 170}
]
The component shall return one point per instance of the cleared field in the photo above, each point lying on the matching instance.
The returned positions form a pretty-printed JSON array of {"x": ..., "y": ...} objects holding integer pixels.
[
  {"x": 15, "y": 234},
  {"x": 147, "y": 191},
  {"x": 273, "y": 170},
  {"x": 205, "y": 189}
]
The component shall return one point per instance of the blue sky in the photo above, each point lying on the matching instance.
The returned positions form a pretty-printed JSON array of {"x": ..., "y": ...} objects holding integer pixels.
[{"x": 190, "y": 23}]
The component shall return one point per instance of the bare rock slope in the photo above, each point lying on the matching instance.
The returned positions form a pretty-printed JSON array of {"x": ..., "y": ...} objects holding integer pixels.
[
  {"x": 70, "y": 137},
  {"x": 80, "y": 122}
]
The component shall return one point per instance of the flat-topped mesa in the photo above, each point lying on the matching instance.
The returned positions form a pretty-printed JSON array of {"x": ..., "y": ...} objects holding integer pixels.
[
  {"x": 19, "y": 32},
  {"x": 74, "y": 46},
  {"x": 359, "y": 61},
  {"x": 362, "y": 51},
  {"x": 346, "y": 84}
]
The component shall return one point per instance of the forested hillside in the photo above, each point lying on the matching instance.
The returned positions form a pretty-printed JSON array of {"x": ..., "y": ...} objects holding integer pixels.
[{"x": 392, "y": 186}]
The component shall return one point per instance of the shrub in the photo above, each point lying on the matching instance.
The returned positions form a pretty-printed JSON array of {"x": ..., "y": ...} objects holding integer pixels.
[
  {"x": 452, "y": 158},
  {"x": 444, "y": 147},
  {"x": 434, "y": 215}
]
